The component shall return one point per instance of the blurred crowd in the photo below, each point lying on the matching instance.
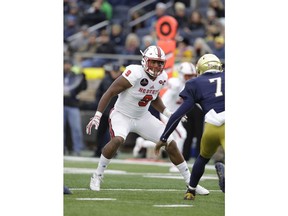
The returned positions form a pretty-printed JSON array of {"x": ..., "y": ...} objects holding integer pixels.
[{"x": 127, "y": 29}]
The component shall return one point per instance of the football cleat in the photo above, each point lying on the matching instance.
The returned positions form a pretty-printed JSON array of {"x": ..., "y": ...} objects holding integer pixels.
[
  {"x": 201, "y": 190},
  {"x": 95, "y": 182},
  {"x": 190, "y": 194},
  {"x": 220, "y": 169},
  {"x": 174, "y": 169},
  {"x": 66, "y": 190}
]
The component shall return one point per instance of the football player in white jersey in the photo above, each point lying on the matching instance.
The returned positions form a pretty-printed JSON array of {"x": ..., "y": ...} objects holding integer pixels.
[
  {"x": 137, "y": 88},
  {"x": 172, "y": 101}
]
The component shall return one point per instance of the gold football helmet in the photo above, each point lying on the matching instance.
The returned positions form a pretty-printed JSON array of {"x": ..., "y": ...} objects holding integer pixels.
[{"x": 208, "y": 62}]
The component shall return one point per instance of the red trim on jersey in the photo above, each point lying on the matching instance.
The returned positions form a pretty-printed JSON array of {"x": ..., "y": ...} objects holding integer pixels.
[
  {"x": 179, "y": 134},
  {"x": 112, "y": 135}
]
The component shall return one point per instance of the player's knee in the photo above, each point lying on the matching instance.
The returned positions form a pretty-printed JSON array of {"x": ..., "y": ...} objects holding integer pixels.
[
  {"x": 171, "y": 147},
  {"x": 117, "y": 140}
]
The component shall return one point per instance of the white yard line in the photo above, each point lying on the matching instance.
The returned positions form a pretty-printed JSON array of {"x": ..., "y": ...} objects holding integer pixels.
[
  {"x": 135, "y": 189},
  {"x": 172, "y": 206},
  {"x": 72, "y": 170},
  {"x": 130, "y": 161},
  {"x": 97, "y": 199}
]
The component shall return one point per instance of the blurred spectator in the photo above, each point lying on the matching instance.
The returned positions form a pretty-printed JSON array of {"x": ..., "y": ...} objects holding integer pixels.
[
  {"x": 90, "y": 47},
  {"x": 218, "y": 7},
  {"x": 73, "y": 85},
  {"x": 160, "y": 10},
  {"x": 93, "y": 15},
  {"x": 214, "y": 26},
  {"x": 200, "y": 47},
  {"x": 125, "y": 2},
  {"x": 219, "y": 47},
  {"x": 117, "y": 35},
  {"x": 112, "y": 72},
  {"x": 195, "y": 22},
  {"x": 105, "y": 46},
  {"x": 82, "y": 40},
  {"x": 135, "y": 15},
  {"x": 106, "y": 8},
  {"x": 132, "y": 47},
  {"x": 180, "y": 14},
  {"x": 70, "y": 27},
  {"x": 183, "y": 51},
  {"x": 185, "y": 2},
  {"x": 147, "y": 41}
]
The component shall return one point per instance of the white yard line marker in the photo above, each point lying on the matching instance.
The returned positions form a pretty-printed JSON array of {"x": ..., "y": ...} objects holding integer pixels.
[
  {"x": 172, "y": 206},
  {"x": 73, "y": 170},
  {"x": 130, "y": 161},
  {"x": 97, "y": 199},
  {"x": 134, "y": 189}
]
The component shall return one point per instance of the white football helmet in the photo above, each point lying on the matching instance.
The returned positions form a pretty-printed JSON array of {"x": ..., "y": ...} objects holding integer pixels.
[
  {"x": 153, "y": 53},
  {"x": 208, "y": 62},
  {"x": 187, "y": 70}
]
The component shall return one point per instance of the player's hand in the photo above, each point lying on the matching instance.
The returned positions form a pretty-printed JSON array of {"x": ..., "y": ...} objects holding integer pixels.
[
  {"x": 94, "y": 121},
  {"x": 158, "y": 146},
  {"x": 184, "y": 118}
]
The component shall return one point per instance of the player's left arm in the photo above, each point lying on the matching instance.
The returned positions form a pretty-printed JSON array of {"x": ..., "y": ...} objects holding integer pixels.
[
  {"x": 158, "y": 104},
  {"x": 172, "y": 124},
  {"x": 175, "y": 118}
]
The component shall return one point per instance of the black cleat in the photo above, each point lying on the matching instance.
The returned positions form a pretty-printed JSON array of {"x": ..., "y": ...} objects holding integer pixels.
[
  {"x": 190, "y": 194},
  {"x": 220, "y": 169},
  {"x": 66, "y": 190}
]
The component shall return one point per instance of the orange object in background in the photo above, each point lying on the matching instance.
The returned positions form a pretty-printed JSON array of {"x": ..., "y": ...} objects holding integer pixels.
[{"x": 166, "y": 29}]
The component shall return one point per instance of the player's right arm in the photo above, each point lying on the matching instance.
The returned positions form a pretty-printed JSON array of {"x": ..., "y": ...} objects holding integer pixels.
[{"x": 118, "y": 86}]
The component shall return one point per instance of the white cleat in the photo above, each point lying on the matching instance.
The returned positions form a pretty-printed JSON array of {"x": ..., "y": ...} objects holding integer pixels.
[
  {"x": 95, "y": 182},
  {"x": 173, "y": 169},
  {"x": 201, "y": 190},
  {"x": 138, "y": 146}
]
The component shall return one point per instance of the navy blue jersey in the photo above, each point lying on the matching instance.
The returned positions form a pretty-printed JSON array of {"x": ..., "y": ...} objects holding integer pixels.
[{"x": 208, "y": 90}]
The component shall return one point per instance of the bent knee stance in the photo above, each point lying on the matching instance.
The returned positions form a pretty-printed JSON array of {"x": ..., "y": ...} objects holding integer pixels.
[
  {"x": 111, "y": 147},
  {"x": 172, "y": 148}
]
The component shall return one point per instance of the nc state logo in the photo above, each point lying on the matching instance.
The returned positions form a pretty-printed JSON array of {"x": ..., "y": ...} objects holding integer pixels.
[{"x": 162, "y": 82}]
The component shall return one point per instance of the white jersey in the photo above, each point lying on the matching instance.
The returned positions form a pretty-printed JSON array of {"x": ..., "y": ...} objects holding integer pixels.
[
  {"x": 135, "y": 101},
  {"x": 171, "y": 97}
]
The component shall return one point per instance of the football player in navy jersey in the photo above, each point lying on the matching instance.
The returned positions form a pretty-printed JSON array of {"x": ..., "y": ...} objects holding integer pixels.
[{"x": 208, "y": 91}]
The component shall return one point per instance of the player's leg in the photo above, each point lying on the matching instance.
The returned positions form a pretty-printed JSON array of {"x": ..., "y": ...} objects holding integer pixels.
[
  {"x": 119, "y": 129},
  {"x": 74, "y": 119},
  {"x": 220, "y": 166},
  {"x": 209, "y": 144},
  {"x": 153, "y": 132}
]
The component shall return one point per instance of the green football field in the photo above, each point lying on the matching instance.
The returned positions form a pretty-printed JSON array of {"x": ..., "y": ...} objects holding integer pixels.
[{"x": 137, "y": 187}]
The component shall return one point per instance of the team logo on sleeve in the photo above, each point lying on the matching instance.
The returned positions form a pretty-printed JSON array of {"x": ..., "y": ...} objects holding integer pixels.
[
  {"x": 144, "y": 82},
  {"x": 162, "y": 82}
]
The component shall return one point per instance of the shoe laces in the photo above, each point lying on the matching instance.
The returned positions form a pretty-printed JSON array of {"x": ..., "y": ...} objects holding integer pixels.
[{"x": 98, "y": 177}]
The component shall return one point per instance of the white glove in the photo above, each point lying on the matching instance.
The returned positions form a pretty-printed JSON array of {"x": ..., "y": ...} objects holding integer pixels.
[
  {"x": 168, "y": 113},
  {"x": 184, "y": 118},
  {"x": 94, "y": 121}
]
